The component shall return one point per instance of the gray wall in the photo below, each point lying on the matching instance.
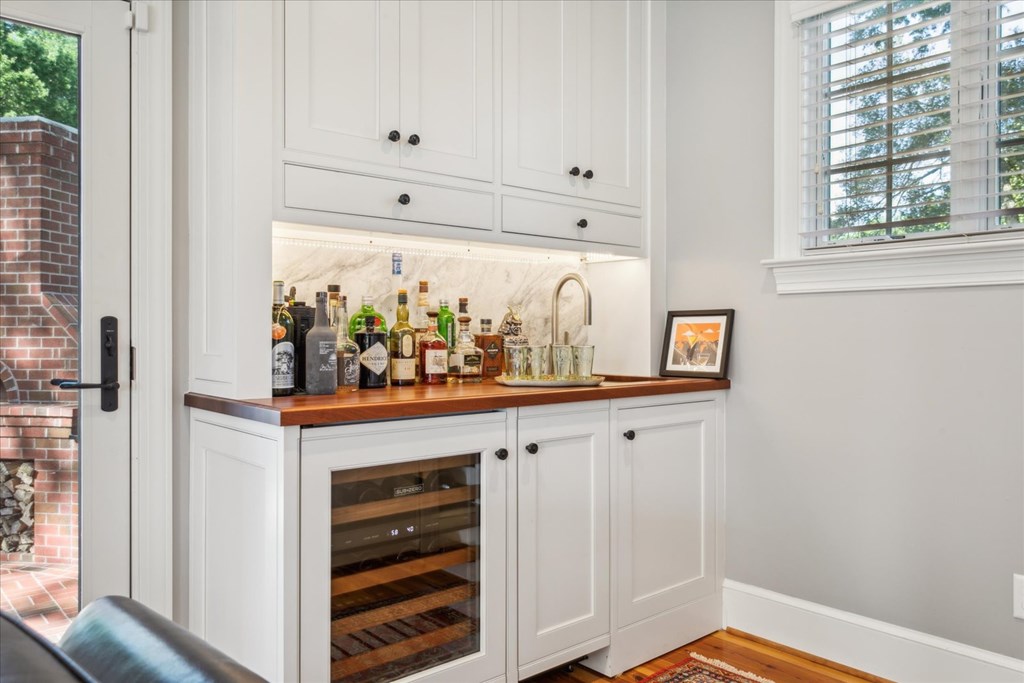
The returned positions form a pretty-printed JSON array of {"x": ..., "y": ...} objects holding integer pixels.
[{"x": 875, "y": 444}]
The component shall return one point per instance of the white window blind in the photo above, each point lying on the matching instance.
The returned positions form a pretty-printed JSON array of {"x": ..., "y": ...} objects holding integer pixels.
[{"x": 913, "y": 120}]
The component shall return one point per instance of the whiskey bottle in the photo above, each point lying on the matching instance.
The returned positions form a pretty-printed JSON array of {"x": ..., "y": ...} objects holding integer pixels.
[
  {"x": 446, "y": 323},
  {"x": 402, "y": 340},
  {"x": 282, "y": 336},
  {"x": 419, "y": 321},
  {"x": 321, "y": 352},
  {"x": 465, "y": 362},
  {"x": 373, "y": 355},
  {"x": 358, "y": 320},
  {"x": 491, "y": 344},
  {"x": 347, "y": 351},
  {"x": 433, "y": 352}
]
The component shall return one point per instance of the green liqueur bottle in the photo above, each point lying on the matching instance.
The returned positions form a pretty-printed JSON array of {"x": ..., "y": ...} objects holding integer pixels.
[
  {"x": 358, "y": 320},
  {"x": 282, "y": 336},
  {"x": 446, "y": 323},
  {"x": 403, "y": 345}
]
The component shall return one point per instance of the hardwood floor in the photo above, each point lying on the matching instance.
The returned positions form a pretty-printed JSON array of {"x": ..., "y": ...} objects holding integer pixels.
[{"x": 742, "y": 651}]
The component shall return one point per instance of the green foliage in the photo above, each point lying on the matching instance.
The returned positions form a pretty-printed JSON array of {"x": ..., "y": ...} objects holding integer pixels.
[{"x": 38, "y": 73}]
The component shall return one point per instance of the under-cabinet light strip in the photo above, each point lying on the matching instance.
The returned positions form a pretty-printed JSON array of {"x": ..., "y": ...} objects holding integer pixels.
[{"x": 466, "y": 253}]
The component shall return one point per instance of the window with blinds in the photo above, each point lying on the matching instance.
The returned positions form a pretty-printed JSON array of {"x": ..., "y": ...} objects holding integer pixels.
[{"x": 913, "y": 121}]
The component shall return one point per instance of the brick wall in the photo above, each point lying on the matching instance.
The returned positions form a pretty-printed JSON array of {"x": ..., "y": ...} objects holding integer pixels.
[
  {"x": 39, "y": 261},
  {"x": 42, "y": 434}
]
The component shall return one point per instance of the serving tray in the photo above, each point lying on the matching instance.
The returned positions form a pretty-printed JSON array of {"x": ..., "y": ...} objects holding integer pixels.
[{"x": 549, "y": 381}]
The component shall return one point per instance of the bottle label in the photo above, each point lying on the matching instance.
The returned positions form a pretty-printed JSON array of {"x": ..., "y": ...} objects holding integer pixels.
[
  {"x": 407, "y": 342},
  {"x": 436, "y": 361},
  {"x": 375, "y": 359},
  {"x": 492, "y": 350},
  {"x": 283, "y": 365},
  {"x": 471, "y": 364},
  {"x": 403, "y": 368},
  {"x": 328, "y": 354},
  {"x": 349, "y": 367}
]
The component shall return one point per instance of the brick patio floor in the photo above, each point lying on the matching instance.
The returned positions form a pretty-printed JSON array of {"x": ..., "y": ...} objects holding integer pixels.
[{"x": 45, "y": 596}]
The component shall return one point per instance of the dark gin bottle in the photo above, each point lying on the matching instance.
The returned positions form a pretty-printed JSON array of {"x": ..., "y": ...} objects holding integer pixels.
[{"x": 373, "y": 355}]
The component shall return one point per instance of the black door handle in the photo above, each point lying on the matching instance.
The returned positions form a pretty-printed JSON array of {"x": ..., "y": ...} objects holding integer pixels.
[
  {"x": 532, "y": 448},
  {"x": 404, "y": 199},
  {"x": 108, "y": 383},
  {"x": 414, "y": 139},
  {"x": 588, "y": 174},
  {"x": 582, "y": 223},
  {"x": 501, "y": 453},
  {"x": 394, "y": 136},
  {"x": 630, "y": 435},
  {"x": 575, "y": 170}
]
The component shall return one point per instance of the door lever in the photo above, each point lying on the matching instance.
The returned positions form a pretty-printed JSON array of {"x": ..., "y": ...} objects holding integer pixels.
[{"x": 108, "y": 383}]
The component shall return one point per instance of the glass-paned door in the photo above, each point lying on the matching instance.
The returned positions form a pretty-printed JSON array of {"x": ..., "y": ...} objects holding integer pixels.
[
  {"x": 64, "y": 286},
  {"x": 402, "y": 568}
]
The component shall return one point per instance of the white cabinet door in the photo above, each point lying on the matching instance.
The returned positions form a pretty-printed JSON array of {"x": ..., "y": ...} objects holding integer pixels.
[
  {"x": 447, "y": 87},
  {"x": 563, "y": 535},
  {"x": 539, "y": 94},
  {"x": 665, "y": 507},
  {"x": 609, "y": 93},
  {"x": 403, "y": 550},
  {"x": 572, "y": 98},
  {"x": 341, "y": 78}
]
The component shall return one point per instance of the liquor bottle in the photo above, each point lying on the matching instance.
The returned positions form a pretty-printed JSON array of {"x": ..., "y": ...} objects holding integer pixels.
[
  {"x": 433, "y": 352},
  {"x": 347, "y": 351},
  {"x": 446, "y": 323},
  {"x": 491, "y": 344},
  {"x": 419, "y": 322},
  {"x": 465, "y": 362},
  {"x": 321, "y": 352},
  {"x": 402, "y": 345},
  {"x": 333, "y": 301},
  {"x": 373, "y": 355},
  {"x": 358, "y": 319},
  {"x": 282, "y": 335}
]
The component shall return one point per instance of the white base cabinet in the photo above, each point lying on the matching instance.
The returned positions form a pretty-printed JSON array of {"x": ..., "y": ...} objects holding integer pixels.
[{"x": 532, "y": 536}]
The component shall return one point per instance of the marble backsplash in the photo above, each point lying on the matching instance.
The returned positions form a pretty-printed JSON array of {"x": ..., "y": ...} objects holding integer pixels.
[{"x": 492, "y": 283}]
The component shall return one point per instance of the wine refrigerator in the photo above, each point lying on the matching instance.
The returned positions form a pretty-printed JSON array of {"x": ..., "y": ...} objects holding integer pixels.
[{"x": 406, "y": 544}]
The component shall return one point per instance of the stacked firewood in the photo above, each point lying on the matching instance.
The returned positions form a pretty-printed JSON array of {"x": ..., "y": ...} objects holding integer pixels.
[{"x": 16, "y": 502}]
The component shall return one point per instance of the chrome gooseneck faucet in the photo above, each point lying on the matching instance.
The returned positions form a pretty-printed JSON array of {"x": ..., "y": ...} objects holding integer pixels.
[{"x": 554, "y": 302}]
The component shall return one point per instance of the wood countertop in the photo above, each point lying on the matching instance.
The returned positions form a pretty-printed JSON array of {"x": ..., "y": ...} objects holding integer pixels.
[{"x": 422, "y": 400}]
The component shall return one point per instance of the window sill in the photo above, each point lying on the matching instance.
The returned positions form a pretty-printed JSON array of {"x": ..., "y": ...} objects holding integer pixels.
[{"x": 989, "y": 262}]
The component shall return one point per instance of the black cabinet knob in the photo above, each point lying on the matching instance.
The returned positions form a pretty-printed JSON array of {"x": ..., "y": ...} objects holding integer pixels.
[
  {"x": 404, "y": 199},
  {"x": 582, "y": 223},
  {"x": 394, "y": 136},
  {"x": 532, "y": 448},
  {"x": 414, "y": 139},
  {"x": 501, "y": 453},
  {"x": 630, "y": 434},
  {"x": 575, "y": 170},
  {"x": 588, "y": 174}
]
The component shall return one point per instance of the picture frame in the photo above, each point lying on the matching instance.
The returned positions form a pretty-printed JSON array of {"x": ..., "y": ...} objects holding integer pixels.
[{"x": 697, "y": 343}]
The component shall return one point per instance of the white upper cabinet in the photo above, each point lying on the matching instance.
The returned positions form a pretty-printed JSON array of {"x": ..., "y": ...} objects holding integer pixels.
[
  {"x": 406, "y": 85},
  {"x": 572, "y": 97}
]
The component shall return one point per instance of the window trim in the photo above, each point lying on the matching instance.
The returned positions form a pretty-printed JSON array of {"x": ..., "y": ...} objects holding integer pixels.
[{"x": 974, "y": 261}]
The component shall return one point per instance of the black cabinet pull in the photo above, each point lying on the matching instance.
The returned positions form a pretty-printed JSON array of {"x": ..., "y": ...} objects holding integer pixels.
[
  {"x": 575, "y": 170},
  {"x": 630, "y": 434},
  {"x": 501, "y": 453},
  {"x": 108, "y": 384},
  {"x": 394, "y": 136},
  {"x": 582, "y": 223},
  {"x": 404, "y": 199},
  {"x": 588, "y": 174},
  {"x": 414, "y": 139},
  {"x": 532, "y": 448}
]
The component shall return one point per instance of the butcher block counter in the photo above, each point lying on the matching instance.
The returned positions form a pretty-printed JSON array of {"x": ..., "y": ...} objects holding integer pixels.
[{"x": 423, "y": 400}]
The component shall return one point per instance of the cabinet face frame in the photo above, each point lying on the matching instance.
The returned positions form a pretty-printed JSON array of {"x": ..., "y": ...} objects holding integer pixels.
[{"x": 327, "y": 449}]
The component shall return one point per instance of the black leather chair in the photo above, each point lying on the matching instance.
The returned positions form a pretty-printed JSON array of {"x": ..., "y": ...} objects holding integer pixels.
[{"x": 115, "y": 639}]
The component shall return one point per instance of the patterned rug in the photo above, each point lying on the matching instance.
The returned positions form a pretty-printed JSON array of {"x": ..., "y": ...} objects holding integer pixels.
[{"x": 700, "y": 669}]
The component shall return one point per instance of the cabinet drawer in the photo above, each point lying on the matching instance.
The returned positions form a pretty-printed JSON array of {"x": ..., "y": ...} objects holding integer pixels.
[
  {"x": 323, "y": 190},
  {"x": 548, "y": 219}
]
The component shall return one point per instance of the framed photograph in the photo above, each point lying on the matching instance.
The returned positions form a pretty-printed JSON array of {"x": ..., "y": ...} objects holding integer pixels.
[{"x": 697, "y": 343}]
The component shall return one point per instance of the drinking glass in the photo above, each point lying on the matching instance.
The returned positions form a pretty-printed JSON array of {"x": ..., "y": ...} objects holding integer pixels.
[
  {"x": 515, "y": 362},
  {"x": 538, "y": 361},
  {"x": 561, "y": 360},
  {"x": 583, "y": 359}
]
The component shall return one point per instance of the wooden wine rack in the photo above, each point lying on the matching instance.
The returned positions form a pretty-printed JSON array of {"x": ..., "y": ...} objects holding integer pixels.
[{"x": 406, "y": 616}]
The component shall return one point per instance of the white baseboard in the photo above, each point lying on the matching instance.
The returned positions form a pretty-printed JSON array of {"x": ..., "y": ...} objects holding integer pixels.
[{"x": 872, "y": 646}]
